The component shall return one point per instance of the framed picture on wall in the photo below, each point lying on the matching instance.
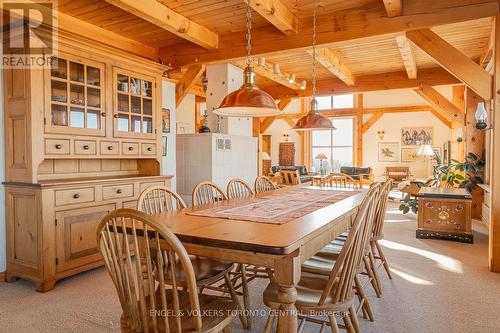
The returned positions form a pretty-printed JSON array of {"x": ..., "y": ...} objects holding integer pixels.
[
  {"x": 415, "y": 136},
  {"x": 165, "y": 120},
  {"x": 388, "y": 152},
  {"x": 164, "y": 143},
  {"x": 409, "y": 155},
  {"x": 446, "y": 157}
]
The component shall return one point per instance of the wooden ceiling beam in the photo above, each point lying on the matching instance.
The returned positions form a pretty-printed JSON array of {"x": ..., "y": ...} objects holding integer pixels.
[
  {"x": 189, "y": 79},
  {"x": 393, "y": 7},
  {"x": 277, "y": 14},
  {"x": 454, "y": 61},
  {"x": 334, "y": 27},
  {"x": 370, "y": 122},
  {"x": 376, "y": 82},
  {"x": 270, "y": 75},
  {"x": 155, "y": 12},
  {"x": 440, "y": 104},
  {"x": 408, "y": 56},
  {"x": 487, "y": 53},
  {"x": 332, "y": 62}
]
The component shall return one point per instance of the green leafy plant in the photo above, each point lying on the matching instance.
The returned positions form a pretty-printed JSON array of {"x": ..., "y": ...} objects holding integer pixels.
[{"x": 409, "y": 203}]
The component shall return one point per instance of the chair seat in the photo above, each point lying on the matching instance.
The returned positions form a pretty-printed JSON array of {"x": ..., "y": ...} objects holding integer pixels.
[
  {"x": 207, "y": 271},
  {"x": 216, "y": 313},
  {"x": 309, "y": 291}
]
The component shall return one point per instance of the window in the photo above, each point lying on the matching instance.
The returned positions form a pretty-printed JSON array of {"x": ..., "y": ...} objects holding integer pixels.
[
  {"x": 335, "y": 102},
  {"x": 337, "y": 145}
]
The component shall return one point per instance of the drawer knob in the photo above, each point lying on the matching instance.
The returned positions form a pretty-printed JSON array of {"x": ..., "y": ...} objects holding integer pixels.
[
  {"x": 110, "y": 147},
  {"x": 119, "y": 191},
  {"x": 76, "y": 195},
  {"x": 150, "y": 149},
  {"x": 130, "y": 148},
  {"x": 103, "y": 114},
  {"x": 58, "y": 146},
  {"x": 86, "y": 147},
  {"x": 115, "y": 116}
]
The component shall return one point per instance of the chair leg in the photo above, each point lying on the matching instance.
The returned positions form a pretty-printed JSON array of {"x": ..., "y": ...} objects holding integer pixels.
[
  {"x": 270, "y": 323},
  {"x": 348, "y": 323},
  {"x": 354, "y": 319},
  {"x": 370, "y": 275},
  {"x": 234, "y": 297},
  {"x": 226, "y": 330},
  {"x": 333, "y": 323},
  {"x": 371, "y": 259},
  {"x": 246, "y": 295},
  {"x": 384, "y": 259},
  {"x": 365, "y": 303}
]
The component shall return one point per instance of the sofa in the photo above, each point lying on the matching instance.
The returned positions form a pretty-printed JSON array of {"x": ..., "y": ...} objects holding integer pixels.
[
  {"x": 305, "y": 177},
  {"x": 363, "y": 175}
]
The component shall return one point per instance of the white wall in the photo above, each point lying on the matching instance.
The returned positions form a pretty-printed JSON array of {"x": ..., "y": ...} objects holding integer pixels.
[
  {"x": 184, "y": 114},
  {"x": 3, "y": 244},
  {"x": 168, "y": 101},
  {"x": 399, "y": 97}
]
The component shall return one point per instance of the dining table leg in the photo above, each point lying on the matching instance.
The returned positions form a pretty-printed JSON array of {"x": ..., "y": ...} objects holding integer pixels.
[{"x": 287, "y": 275}]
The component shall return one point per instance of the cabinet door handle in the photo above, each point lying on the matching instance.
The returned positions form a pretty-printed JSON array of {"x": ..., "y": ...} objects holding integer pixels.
[
  {"x": 130, "y": 148},
  {"x": 103, "y": 114},
  {"x": 76, "y": 195},
  {"x": 86, "y": 147},
  {"x": 110, "y": 147},
  {"x": 58, "y": 146},
  {"x": 115, "y": 116},
  {"x": 119, "y": 191}
]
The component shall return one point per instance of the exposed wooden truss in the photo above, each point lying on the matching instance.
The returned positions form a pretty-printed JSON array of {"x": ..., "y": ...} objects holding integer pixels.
[
  {"x": 268, "y": 121},
  {"x": 393, "y": 7},
  {"x": 370, "y": 122},
  {"x": 162, "y": 16},
  {"x": 487, "y": 54},
  {"x": 407, "y": 55},
  {"x": 441, "y": 105},
  {"x": 277, "y": 14},
  {"x": 334, "y": 64},
  {"x": 183, "y": 87},
  {"x": 333, "y": 28},
  {"x": 464, "y": 68},
  {"x": 388, "y": 81}
]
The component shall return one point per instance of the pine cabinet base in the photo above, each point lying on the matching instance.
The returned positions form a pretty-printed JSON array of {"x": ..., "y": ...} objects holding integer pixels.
[{"x": 51, "y": 227}]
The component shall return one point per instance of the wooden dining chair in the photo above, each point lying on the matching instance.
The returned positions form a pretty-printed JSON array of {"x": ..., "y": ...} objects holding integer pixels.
[
  {"x": 238, "y": 188},
  {"x": 290, "y": 177},
  {"x": 264, "y": 184},
  {"x": 147, "y": 304},
  {"x": 332, "y": 294},
  {"x": 206, "y": 193},
  {"x": 340, "y": 181},
  {"x": 158, "y": 199}
]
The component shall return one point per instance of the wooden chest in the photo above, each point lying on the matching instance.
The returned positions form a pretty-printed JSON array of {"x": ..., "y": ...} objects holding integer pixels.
[{"x": 445, "y": 214}]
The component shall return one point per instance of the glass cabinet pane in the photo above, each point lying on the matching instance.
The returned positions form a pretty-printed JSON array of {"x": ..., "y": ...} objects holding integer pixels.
[
  {"x": 93, "y": 119},
  {"x": 146, "y": 88},
  {"x": 93, "y": 76},
  {"x": 135, "y": 104},
  {"x": 77, "y": 94},
  {"x": 59, "y": 91},
  {"x": 76, "y": 72},
  {"x": 123, "y": 122},
  {"x": 77, "y": 117},
  {"x": 122, "y": 103},
  {"x": 135, "y": 124},
  {"x": 122, "y": 83},
  {"x": 59, "y": 68},
  {"x": 94, "y": 97},
  {"x": 147, "y": 125},
  {"x": 135, "y": 86},
  {"x": 59, "y": 115},
  {"x": 147, "y": 107}
]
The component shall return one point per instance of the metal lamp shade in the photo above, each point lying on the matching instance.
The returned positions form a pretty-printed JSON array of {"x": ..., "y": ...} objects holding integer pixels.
[
  {"x": 313, "y": 122},
  {"x": 248, "y": 101}
]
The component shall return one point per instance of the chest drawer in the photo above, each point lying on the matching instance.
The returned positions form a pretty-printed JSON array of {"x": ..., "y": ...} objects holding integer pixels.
[
  {"x": 130, "y": 148},
  {"x": 84, "y": 147},
  {"x": 148, "y": 149},
  {"x": 117, "y": 191},
  {"x": 74, "y": 196},
  {"x": 109, "y": 148},
  {"x": 57, "y": 146}
]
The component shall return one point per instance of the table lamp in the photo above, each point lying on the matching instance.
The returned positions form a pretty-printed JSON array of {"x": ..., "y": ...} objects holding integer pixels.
[
  {"x": 426, "y": 151},
  {"x": 321, "y": 157}
]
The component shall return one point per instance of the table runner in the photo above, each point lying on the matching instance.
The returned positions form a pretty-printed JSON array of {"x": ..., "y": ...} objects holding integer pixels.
[{"x": 277, "y": 208}]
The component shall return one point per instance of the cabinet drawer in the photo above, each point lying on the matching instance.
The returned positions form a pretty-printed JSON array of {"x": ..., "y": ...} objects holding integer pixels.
[
  {"x": 148, "y": 149},
  {"x": 110, "y": 148},
  {"x": 130, "y": 148},
  {"x": 57, "y": 146},
  {"x": 117, "y": 191},
  {"x": 85, "y": 147},
  {"x": 74, "y": 196}
]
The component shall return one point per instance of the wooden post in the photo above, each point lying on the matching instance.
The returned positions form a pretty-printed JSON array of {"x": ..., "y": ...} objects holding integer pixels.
[
  {"x": 494, "y": 235},
  {"x": 359, "y": 131},
  {"x": 257, "y": 134}
]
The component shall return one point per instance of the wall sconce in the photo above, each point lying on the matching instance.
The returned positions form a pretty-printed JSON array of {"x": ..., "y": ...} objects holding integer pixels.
[
  {"x": 481, "y": 117},
  {"x": 291, "y": 79},
  {"x": 460, "y": 135},
  {"x": 303, "y": 85},
  {"x": 276, "y": 69},
  {"x": 381, "y": 135},
  {"x": 286, "y": 137}
]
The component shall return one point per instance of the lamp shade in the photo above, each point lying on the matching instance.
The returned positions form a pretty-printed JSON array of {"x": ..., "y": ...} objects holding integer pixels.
[
  {"x": 265, "y": 156},
  {"x": 248, "y": 101},
  {"x": 321, "y": 156},
  {"x": 314, "y": 121},
  {"x": 425, "y": 150}
]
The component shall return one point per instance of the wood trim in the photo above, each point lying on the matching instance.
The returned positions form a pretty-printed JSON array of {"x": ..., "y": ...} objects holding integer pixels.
[
  {"x": 188, "y": 80},
  {"x": 454, "y": 61},
  {"x": 284, "y": 103},
  {"x": 334, "y": 64},
  {"x": 290, "y": 122},
  {"x": 372, "y": 121},
  {"x": 343, "y": 25},
  {"x": 407, "y": 55},
  {"x": 359, "y": 131},
  {"x": 393, "y": 7},
  {"x": 441, "y": 104},
  {"x": 277, "y": 14},
  {"x": 487, "y": 54},
  {"x": 266, "y": 123},
  {"x": 443, "y": 119},
  {"x": 162, "y": 16}
]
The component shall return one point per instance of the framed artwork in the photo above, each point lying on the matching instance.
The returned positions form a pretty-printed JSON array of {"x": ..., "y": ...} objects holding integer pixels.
[
  {"x": 437, "y": 151},
  {"x": 409, "y": 155},
  {"x": 164, "y": 143},
  {"x": 165, "y": 120},
  {"x": 388, "y": 152},
  {"x": 415, "y": 136}
]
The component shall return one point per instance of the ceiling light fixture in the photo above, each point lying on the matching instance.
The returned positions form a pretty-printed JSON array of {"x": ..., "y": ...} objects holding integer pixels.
[{"x": 249, "y": 100}]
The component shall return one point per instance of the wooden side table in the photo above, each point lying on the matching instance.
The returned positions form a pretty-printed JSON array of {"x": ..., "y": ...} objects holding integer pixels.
[{"x": 445, "y": 213}]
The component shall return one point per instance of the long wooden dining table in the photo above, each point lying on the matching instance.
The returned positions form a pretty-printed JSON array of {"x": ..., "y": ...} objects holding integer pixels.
[{"x": 282, "y": 247}]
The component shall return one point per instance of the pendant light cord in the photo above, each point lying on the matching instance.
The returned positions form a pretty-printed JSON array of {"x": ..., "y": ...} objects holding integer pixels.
[
  {"x": 313, "y": 51},
  {"x": 249, "y": 33}
]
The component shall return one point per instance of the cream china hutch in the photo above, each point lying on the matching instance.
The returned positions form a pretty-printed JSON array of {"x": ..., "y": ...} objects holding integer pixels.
[{"x": 82, "y": 138}]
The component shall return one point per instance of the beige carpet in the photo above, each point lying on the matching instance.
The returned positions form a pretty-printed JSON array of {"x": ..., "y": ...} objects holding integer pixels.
[{"x": 438, "y": 286}]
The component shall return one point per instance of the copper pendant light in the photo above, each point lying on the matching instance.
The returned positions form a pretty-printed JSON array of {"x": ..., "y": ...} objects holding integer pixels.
[
  {"x": 313, "y": 120},
  {"x": 249, "y": 100}
]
